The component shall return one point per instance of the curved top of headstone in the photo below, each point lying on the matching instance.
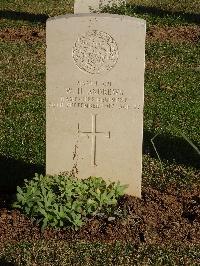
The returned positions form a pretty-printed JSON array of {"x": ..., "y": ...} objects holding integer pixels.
[{"x": 102, "y": 15}]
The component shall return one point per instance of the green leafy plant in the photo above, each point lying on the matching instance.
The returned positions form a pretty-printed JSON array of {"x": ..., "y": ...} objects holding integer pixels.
[{"x": 60, "y": 200}]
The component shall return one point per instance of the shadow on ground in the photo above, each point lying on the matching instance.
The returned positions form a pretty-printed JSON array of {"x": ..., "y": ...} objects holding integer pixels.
[
  {"x": 138, "y": 9},
  {"x": 3, "y": 262},
  {"x": 157, "y": 12},
  {"x": 13, "y": 172},
  {"x": 14, "y": 15},
  {"x": 171, "y": 149}
]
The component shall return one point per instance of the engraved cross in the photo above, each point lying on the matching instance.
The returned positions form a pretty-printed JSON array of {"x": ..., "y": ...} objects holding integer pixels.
[{"x": 93, "y": 134}]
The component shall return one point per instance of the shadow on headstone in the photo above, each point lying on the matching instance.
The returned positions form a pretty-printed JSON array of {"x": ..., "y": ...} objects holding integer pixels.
[
  {"x": 172, "y": 149},
  {"x": 13, "y": 172}
]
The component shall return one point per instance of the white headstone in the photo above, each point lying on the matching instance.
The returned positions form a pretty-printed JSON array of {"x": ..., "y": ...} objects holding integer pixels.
[
  {"x": 95, "y": 92},
  {"x": 88, "y": 6}
]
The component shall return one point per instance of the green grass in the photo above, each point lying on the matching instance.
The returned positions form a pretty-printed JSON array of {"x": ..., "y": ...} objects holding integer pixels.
[
  {"x": 177, "y": 108},
  {"x": 171, "y": 109},
  {"x": 52, "y": 8},
  {"x": 172, "y": 89},
  {"x": 49, "y": 7},
  {"x": 32, "y": 12},
  {"x": 62, "y": 253},
  {"x": 158, "y": 13},
  {"x": 174, "y": 174},
  {"x": 23, "y": 101},
  {"x": 188, "y": 6}
]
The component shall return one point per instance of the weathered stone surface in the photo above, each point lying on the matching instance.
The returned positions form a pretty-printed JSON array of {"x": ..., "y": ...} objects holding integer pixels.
[
  {"x": 95, "y": 80},
  {"x": 87, "y": 6}
]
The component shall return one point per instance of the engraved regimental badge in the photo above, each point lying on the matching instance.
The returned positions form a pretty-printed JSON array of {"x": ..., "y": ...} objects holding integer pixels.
[{"x": 95, "y": 52}]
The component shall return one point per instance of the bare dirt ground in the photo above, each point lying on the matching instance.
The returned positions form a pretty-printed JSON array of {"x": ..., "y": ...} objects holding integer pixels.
[
  {"x": 180, "y": 34},
  {"x": 156, "y": 218},
  {"x": 24, "y": 34},
  {"x": 187, "y": 34}
]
